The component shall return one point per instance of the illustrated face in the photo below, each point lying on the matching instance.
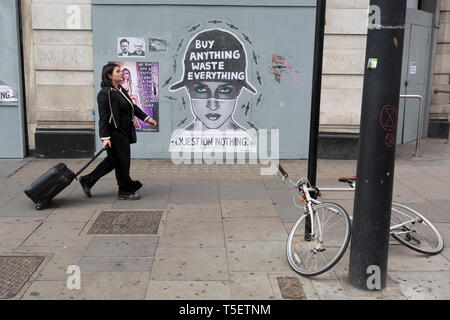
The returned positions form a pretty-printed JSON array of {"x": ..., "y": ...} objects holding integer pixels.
[
  {"x": 124, "y": 47},
  {"x": 213, "y": 103},
  {"x": 139, "y": 47},
  {"x": 126, "y": 74}
]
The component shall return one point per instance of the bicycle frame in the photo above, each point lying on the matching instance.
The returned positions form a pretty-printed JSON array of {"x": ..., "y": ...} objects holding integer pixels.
[{"x": 310, "y": 201}]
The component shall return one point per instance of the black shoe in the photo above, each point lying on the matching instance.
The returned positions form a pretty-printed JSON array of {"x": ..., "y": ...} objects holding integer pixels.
[
  {"x": 86, "y": 189},
  {"x": 128, "y": 196}
]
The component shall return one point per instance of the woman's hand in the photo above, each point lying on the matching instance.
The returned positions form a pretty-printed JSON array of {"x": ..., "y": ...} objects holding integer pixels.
[
  {"x": 152, "y": 122},
  {"x": 107, "y": 143}
]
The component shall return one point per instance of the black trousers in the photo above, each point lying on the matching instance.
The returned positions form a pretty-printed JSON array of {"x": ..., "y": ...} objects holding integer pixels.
[{"x": 119, "y": 159}]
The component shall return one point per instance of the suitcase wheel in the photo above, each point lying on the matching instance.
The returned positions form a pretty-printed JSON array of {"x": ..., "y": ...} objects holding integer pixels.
[{"x": 39, "y": 206}]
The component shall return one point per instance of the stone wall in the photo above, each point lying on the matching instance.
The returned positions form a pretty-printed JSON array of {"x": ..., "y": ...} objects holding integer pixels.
[
  {"x": 58, "y": 65},
  {"x": 440, "y": 107},
  {"x": 343, "y": 69}
]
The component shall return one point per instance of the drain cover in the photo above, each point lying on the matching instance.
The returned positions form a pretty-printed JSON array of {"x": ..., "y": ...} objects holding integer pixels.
[
  {"x": 290, "y": 288},
  {"x": 15, "y": 272},
  {"x": 126, "y": 222}
]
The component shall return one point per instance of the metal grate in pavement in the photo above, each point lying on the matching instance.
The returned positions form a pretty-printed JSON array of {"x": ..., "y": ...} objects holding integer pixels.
[
  {"x": 15, "y": 271},
  {"x": 126, "y": 222},
  {"x": 291, "y": 288}
]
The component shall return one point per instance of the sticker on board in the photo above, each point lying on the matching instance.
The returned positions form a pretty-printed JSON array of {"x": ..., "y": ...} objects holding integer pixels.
[
  {"x": 157, "y": 45},
  {"x": 413, "y": 67},
  {"x": 140, "y": 80},
  {"x": 7, "y": 94},
  {"x": 131, "y": 47}
]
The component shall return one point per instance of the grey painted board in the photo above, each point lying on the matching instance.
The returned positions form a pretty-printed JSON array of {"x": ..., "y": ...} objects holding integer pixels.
[
  {"x": 271, "y": 3},
  {"x": 281, "y": 37},
  {"x": 416, "y": 67},
  {"x": 11, "y": 113}
]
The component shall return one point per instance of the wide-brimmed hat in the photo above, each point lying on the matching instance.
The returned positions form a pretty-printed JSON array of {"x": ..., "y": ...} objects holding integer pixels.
[{"x": 207, "y": 51}]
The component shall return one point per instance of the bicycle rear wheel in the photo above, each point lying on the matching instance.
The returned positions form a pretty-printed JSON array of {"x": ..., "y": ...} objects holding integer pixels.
[
  {"x": 415, "y": 231},
  {"x": 332, "y": 231}
]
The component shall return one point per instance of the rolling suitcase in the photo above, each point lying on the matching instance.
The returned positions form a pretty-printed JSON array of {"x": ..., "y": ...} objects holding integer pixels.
[{"x": 51, "y": 183}]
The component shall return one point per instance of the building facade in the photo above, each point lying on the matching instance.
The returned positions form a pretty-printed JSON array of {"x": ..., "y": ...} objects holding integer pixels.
[{"x": 65, "y": 42}]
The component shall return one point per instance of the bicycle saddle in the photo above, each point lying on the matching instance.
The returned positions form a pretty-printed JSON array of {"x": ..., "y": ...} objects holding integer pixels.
[{"x": 349, "y": 180}]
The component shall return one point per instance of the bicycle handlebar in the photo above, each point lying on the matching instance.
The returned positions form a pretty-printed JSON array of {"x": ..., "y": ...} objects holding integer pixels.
[{"x": 283, "y": 172}]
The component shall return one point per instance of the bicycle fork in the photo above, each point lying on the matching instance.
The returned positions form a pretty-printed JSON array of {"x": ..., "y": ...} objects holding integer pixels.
[{"x": 310, "y": 235}]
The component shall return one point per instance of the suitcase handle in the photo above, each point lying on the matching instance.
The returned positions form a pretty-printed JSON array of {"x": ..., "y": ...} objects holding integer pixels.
[{"x": 89, "y": 163}]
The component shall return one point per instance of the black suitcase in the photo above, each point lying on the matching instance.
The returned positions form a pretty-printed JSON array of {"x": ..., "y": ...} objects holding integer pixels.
[{"x": 51, "y": 183}]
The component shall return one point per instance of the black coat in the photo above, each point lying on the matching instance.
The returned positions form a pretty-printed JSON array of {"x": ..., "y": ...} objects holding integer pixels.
[{"x": 108, "y": 109}]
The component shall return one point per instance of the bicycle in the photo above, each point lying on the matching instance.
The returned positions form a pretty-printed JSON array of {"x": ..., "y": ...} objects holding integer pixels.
[{"x": 321, "y": 235}]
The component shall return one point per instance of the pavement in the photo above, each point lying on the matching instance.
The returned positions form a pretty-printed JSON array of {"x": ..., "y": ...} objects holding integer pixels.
[{"x": 221, "y": 236}]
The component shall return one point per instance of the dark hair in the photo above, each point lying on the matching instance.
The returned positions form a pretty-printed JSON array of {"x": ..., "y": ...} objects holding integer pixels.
[
  {"x": 124, "y": 40},
  {"x": 107, "y": 69}
]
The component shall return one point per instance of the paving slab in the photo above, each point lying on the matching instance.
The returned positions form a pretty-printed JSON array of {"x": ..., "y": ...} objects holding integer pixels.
[
  {"x": 444, "y": 230},
  {"x": 431, "y": 211},
  {"x": 181, "y": 233},
  {"x": 188, "y": 290},
  {"x": 402, "y": 193},
  {"x": 248, "y": 209},
  {"x": 109, "y": 286},
  {"x": 251, "y": 286},
  {"x": 441, "y": 172},
  {"x": 431, "y": 189},
  {"x": 154, "y": 195},
  {"x": 60, "y": 259},
  {"x": 9, "y": 166},
  {"x": 284, "y": 205},
  {"x": 423, "y": 285},
  {"x": 44, "y": 290},
  {"x": 115, "y": 264},
  {"x": 22, "y": 206},
  {"x": 328, "y": 287},
  {"x": 443, "y": 204},
  {"x": 18, "y": 228},
  {"x": 201, "y": 212},
  {"x": 243, "y": 190},
  {"x": 9, "y": 246},
  {"x": 194, "y": 191},
  {"x": 404, "y": 259},
  {"x": 122, "y": 246},
  {"x": 58, "y": 234},
  {"x": 76, "y": 214},
  {"x": 254, "y": 229},
  {"x": 257, "y": 256},
  {"x": 392, "y": 289},
  {"x": 188, "y": 263},
  {"x": 277, "y": 183}
]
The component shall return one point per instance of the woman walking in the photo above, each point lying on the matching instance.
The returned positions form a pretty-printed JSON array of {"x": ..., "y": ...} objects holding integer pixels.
[{"x": 117, "y": 131}]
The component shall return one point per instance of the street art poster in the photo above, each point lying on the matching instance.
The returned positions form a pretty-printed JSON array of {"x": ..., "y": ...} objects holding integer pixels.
[
  {"x": 157, "y": 45},
  {"x": 214, "y": 76},
  {"x": 7, "y": 94},
  {"x": 131, "y": 47},
  {"x": 141, "y": 83}
]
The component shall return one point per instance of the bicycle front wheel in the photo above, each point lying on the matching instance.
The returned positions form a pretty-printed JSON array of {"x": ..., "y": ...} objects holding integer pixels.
[
  {"x": 415, "y": 231},
  {"x": 325, "y": 246}
]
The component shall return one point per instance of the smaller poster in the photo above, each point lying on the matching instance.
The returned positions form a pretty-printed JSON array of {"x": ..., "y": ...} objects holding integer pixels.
[
  {"x": 7, "y": 94},
  {"x": 157, "y": 45},
  {"x": 131, "y": 47},
  {"x": 413, "y": 67},
  {"x": 141, "y": 83}
]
